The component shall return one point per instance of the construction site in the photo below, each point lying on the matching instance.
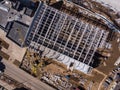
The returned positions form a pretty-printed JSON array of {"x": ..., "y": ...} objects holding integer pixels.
[
  {"x": 64, "y": 44},
  {"x": 69, "y": 42},
  {"x": 65, "y": 38},
  {"x": 58, "y": 75}
]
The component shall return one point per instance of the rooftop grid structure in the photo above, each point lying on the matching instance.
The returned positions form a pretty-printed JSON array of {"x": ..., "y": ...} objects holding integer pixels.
[{"x": 65, "y": 38}]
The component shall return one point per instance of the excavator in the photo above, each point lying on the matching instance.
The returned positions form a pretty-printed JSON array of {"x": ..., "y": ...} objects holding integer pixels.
[{"x": 38, "y": 63}]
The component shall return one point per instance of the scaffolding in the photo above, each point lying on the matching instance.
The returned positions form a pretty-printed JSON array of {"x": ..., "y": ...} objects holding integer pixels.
[{"x": 65, "y": 37}]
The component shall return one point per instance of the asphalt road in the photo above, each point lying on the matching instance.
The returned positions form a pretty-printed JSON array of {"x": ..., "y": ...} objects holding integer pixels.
[{"x": 23, "y": 77}]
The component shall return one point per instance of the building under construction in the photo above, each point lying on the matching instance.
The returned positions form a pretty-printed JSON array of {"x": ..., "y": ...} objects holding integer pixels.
[{"x": 65, "y": 38}]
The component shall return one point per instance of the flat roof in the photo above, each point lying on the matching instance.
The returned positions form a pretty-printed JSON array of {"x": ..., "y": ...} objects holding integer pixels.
[
  {"x": 3, "y": 18},
  {"x": 17, "y": 32}
]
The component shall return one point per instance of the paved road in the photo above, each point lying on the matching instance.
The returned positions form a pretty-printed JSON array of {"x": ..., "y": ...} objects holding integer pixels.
[
  {"x": 5, "y": 85},
  {"x": 24, "y": 77}
]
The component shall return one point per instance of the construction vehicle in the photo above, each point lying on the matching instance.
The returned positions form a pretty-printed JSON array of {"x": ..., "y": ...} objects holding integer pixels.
[
  {"x": 36, "y": 65},
  {"x": 34, "y": 70}
]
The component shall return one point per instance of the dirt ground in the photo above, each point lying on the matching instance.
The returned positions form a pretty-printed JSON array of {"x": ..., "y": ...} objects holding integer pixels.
[
  {"x": 110, "y": 62},
  {"x": 54, "y": 69},
  {"x": 95, "y": 86}
]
